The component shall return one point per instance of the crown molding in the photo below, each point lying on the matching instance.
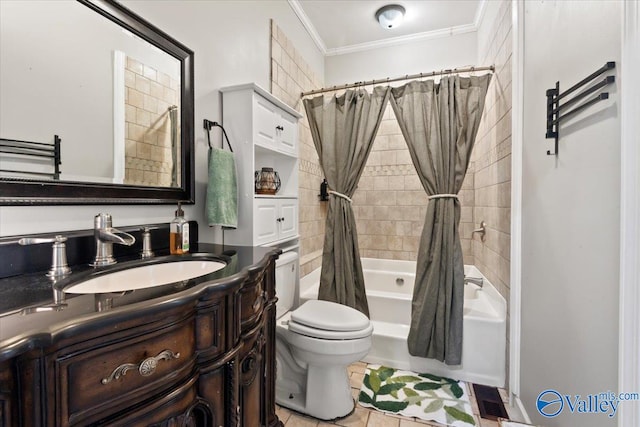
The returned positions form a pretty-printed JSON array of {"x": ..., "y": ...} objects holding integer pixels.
[
  {"x": 482, "y": 7},
  {"x": 306, "y": 23},
  {"x": 427, "y": 35}
]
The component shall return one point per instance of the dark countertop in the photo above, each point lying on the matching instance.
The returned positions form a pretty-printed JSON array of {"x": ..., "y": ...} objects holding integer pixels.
[{"x": 33, "y": 309}]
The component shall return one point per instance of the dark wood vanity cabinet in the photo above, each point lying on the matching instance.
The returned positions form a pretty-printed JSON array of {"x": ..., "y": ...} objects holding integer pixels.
[
  {"x": 7, "y": 396},
  {"x": 202, "y": 360},
  {"x": 257, "y": 355}
]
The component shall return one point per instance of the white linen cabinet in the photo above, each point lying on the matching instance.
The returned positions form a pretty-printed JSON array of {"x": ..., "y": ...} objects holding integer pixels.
[{"x": 264, "y": 133}]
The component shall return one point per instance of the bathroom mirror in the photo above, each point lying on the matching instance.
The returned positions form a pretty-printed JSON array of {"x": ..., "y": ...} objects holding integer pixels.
[{"x": 114, "y": 91}]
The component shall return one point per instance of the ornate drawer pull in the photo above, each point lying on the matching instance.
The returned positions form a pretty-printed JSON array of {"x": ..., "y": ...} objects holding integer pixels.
[{"x": 145, "y": 368}]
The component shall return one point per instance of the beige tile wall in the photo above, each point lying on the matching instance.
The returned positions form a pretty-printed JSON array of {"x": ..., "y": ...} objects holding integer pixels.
[
  {"x": 492, "y": 157},
  {"x": 148, "y": 95},
  {"x": 291, "y": 75},
  {"x": 492, "y": 154},
  {"x": 390, "y": 203}
]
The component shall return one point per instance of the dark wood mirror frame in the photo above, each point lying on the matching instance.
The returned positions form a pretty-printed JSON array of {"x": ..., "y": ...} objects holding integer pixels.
[{"x": 16, "y": 192}]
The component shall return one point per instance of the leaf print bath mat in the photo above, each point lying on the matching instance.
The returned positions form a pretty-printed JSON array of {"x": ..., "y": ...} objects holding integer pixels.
[{"x": 424, "y": 396}]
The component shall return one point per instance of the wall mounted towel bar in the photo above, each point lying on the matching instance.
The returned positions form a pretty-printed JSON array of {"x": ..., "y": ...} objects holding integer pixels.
[
  {"x": 32, "y": 151},
  {"x": 554, "y": 108}
]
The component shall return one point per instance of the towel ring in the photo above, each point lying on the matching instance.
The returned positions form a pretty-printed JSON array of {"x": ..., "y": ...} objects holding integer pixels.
[{"x": 208, "y": 124}]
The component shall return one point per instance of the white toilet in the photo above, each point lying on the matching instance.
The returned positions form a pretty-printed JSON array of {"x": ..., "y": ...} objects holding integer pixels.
[{"x": 314, "y": 345}]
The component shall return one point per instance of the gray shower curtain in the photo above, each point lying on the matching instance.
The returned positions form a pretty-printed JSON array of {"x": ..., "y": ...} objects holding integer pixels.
[
  {"x": 343, "y": 130},
  {"x": 440, "y": 123}
]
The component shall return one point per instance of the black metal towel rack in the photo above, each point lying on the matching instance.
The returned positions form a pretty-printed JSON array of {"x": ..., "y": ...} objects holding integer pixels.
[
  {"x": 33, "y": 150},
  {"x": 554, "y": 108},
  {"x": 208, "y": 124}
]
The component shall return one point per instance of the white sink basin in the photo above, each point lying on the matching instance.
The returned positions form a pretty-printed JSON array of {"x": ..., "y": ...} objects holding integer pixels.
[{"x": 146, "y": 276}]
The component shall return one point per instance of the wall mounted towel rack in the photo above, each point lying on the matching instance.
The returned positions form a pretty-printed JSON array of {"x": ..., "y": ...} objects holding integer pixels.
[
  {"x": 554, "y": 108},
  {"x": 208, "y": 124},
  {"x": 31, "y": 151}
]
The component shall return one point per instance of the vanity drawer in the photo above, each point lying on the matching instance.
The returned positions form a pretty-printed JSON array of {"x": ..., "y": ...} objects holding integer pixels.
[{"x": 117, "y": 374}]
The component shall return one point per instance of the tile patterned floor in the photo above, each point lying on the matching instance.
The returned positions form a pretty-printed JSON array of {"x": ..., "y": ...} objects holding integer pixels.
[{"x": 365, "y": 417}]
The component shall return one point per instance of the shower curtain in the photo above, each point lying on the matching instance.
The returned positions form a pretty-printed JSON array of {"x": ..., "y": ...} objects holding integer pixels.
[
  {"x": 343, "y": 130},
  {"x": 440, "y": 123}
]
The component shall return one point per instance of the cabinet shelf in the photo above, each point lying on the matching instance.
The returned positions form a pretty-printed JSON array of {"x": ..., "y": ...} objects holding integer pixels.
[
  {"x": 265, "y": 150},
  {"x": 276, "y": 196},
  {"x": 268, "y": 131}
]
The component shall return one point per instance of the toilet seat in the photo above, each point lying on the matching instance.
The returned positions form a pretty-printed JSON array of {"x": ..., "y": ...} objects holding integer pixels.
[
  {"x": 328, "y": 320},
  {"x": 329, "y": 335}
]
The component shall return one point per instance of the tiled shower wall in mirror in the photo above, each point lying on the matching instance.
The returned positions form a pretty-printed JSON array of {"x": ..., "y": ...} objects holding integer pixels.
[{"x": 149, "y": 140}]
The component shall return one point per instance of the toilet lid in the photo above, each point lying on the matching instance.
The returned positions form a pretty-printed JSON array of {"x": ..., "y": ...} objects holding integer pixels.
[
  {"x": 329, "y": 316},
  {"x": 329, "y": 335}
]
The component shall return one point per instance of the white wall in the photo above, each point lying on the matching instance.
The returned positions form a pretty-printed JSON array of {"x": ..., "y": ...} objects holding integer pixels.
[
  {"x": 48, "y": 83},
  {"x": 231, "y": 45},
  {"x": 56, "y": 77},
  {"x": 570, "y": 212},
  {"x": 409, "y": 58}
]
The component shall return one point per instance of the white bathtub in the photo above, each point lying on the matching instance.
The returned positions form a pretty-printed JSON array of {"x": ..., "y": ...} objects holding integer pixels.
[{"x": 389, "y": 287}]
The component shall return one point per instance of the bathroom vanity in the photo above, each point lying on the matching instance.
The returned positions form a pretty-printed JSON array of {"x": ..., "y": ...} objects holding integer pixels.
[{"x": 198, "y": 352}]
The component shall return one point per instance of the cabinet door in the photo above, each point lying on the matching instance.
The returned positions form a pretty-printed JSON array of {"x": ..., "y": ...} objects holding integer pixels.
[
  {"x": 252, "y": 380},
  {"x": 287, "y": 133},
  {"x": 180, "y": 407},
  {"x": 7, "y": 395},
  {"x": 265, "y": 113},
  {"x": 265, "y": 224},
  {"x": 288, "y": 215},
  {"x": 216, "y": 387}
]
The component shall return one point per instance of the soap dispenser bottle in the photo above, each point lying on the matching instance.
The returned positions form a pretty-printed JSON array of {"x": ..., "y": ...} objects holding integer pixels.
[{"x": 179, "y": 234}]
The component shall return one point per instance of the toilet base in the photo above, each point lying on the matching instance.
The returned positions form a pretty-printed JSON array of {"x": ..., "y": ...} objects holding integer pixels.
[
  {"x": 326, "y": 395},
  {"x": 311, "y": 373}
]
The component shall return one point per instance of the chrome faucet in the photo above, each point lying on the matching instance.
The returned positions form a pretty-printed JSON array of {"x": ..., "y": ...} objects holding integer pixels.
[
  {"x": 146, "y": 243},
  {"x": 479, "y": 281},
  {"x": 59, "y": 267},
  {"x": 106, "y": 236},
  {"x": 482, "y": 231}
]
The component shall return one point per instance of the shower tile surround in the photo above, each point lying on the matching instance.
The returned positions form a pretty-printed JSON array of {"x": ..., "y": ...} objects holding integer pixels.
[
  {"x": 389, "y": 206},
  {"x": 390, "y": 203},
  {"x": 291, "y": 75},
  {"x": 148, "y": 95},
  {"x": 492, "y": 158},
  {"x": 492, "y": 154}
]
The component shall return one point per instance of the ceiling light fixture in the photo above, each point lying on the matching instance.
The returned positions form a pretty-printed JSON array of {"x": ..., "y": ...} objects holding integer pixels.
[{"x": 390, "y": 16}]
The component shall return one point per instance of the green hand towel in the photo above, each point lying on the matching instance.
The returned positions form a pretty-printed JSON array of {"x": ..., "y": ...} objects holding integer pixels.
[{"x": 222, "y": 189}]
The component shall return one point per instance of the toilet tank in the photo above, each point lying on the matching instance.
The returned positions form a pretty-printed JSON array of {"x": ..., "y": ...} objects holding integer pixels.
[{"x": 286, "y": 279}]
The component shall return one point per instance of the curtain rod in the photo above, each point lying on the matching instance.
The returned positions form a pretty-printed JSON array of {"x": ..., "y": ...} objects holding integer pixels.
[{"x": 395, "y": 79}]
